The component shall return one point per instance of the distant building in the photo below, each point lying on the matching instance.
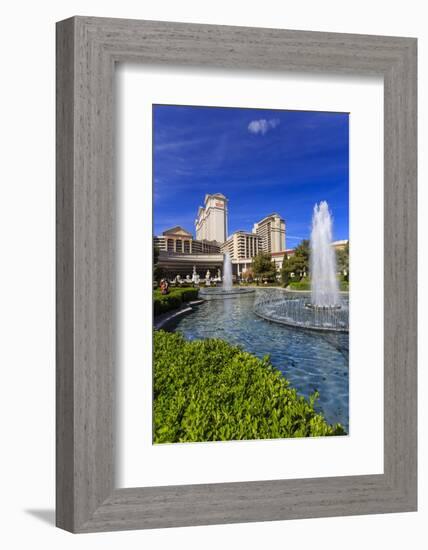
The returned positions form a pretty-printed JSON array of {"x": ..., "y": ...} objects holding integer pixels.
[
  {"x": 339, "y": 245},
  {"x": 278, "y": 258},
  {"x": 205, "y": 247},
  {"x": 179, "y": 241},
  {"x": 211, "y": 220},
  {"x": 173, "y": 264},
  {"x": 271, "y": 230},
  {"x": 175, "y": 239},
  {"x": 181, "y": 253},
  {"x": 242, "y": 245}
]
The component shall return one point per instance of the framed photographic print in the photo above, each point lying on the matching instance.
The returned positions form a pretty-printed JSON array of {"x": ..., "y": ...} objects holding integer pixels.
[
  {"x": 262, "y": 160},
  {"x": 236, "y": 274}
]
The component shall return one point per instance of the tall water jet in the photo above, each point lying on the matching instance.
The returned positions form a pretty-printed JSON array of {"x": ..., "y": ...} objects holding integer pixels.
[
  {"x": 324, "y": 285},
  {"x": 227, "y": 273},
  {"x": 227, "y": 290},
  {"x": 324, "y": 310}
]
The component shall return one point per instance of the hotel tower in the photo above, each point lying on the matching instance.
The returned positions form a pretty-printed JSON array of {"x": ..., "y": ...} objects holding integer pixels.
[
  {"x": 271, "y": 230},
  {"x": 211, "y": 221}
]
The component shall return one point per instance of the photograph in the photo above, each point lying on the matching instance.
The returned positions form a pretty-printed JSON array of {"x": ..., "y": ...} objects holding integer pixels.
[{"x": 250, "y": 274}]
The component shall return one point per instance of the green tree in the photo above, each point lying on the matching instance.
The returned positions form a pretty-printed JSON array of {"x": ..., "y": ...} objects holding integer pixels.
[
  {"x": 263, "y": 267},
  {"x": 287, "y": 269},
  {"x": 297, "y": 265},
  {"x": 342, "y": 259},
  {"x": 302, "y": 251},
  {"x": 155, "y": 255}
]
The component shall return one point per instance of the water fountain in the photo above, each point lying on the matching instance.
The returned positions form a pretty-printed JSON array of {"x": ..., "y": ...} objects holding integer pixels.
[
  {"x": 324, "y": 309},
  {"x": 324, "y": 286},
  {"x": 227, "y": 273},
  {"x": 227, "y": 290}
]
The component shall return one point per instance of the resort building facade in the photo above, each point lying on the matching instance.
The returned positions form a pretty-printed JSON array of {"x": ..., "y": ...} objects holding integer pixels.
[
  {"x": 181, "y": 254},
  {"x": 339, "y": 245},
  {"x": 185, "y": 265},
  {"x": 178, "y": 240},
  {"x": 271, "y": 231},
  {"x": 242, "y": 245},
  {"x": 211, "y": 219}
]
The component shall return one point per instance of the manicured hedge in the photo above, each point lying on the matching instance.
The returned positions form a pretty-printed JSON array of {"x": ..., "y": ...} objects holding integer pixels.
[
  {"x": 208, "y": 390},
  {"x": 306, "y": 285},
  {"x": 173, "y": 300}
]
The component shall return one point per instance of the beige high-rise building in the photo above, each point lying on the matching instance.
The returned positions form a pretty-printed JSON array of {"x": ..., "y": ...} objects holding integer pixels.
[
  {"x": 211, "y": 221},
  {"x": 271, "y": 231},
  {"x": 242, "y": 245}
]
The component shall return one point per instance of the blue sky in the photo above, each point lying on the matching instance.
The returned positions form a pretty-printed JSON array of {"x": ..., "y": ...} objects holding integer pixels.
[{"x": 263, "y": 160}]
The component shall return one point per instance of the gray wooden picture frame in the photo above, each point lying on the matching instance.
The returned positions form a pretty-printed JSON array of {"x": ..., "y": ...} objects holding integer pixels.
[{"x": 87, "y": 50}]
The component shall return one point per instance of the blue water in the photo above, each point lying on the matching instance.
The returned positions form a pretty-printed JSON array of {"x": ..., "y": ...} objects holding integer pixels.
[{"x": 309, "y": 360}]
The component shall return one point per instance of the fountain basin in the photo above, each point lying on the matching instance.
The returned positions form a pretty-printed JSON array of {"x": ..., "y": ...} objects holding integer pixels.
[
  {"x": 309, "y": 305},
  {"x": 296, "y": 311},
  {"x": 221, "y": 293}
]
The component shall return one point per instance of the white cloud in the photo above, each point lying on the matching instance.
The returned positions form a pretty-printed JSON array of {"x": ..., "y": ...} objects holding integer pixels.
[{"x": 262, "y": 125}]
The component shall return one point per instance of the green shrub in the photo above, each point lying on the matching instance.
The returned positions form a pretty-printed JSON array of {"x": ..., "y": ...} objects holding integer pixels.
[
  {"x": 162, "y": 304},
  {"x": 300, "y": 285},
  {"x": 188, "y": 294},
  {"x": 166, "y": 302},
  {"x": 208, "y": 390}
]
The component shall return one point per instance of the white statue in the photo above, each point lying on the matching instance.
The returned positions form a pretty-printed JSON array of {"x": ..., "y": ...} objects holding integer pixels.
[{"x": 208, "y": 278}]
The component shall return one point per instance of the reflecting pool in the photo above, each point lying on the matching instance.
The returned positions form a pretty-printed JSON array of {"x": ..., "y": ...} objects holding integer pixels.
[{"x": 309, "y": 360}]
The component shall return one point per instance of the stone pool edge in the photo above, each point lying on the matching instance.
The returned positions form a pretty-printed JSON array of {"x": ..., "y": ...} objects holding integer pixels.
[{"x": 161, "y": 320}]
